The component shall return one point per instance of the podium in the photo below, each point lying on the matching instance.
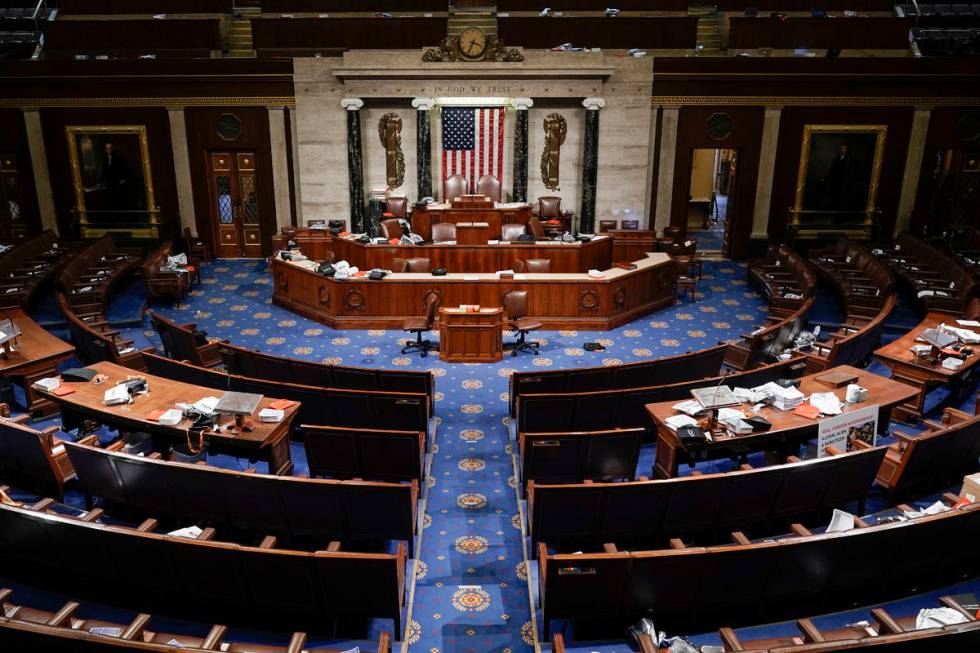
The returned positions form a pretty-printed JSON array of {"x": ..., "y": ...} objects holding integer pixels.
[{"x": 471, "y": 336}]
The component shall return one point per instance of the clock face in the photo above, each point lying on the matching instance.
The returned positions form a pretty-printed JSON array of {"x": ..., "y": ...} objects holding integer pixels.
[{"x": 472, "y": 42}]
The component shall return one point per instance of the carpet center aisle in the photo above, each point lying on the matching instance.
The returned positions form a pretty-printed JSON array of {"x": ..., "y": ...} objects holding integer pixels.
[{"x": 470, "y": 592}]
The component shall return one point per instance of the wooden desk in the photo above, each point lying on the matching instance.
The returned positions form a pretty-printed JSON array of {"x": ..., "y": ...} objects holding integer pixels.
[
  {"x": 558, "y": 300},
  {"x": 470, "y": 254},
  {"x": 466, "y": 337},
  {"x": 921, "y": 372},
  {"x": 267, "y": 441},
  {"x": 424, "y": 217},
  {"x": 37, "y": 356},
  {"x": 787, "y": 427}
]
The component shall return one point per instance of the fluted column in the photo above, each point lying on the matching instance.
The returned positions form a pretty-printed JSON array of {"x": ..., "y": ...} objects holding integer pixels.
[
  {"x": 39, "y": 166},
  {"x": 522, "y": 104},
  {"x": 355, "y": 170},
  {"x": 423, "y": 145},
  {"x": 590, "y": 163},
  {"x": 767, "y": 172},
  {"x": 668, "y": 156},
  {"x": 913, "y": 167}
]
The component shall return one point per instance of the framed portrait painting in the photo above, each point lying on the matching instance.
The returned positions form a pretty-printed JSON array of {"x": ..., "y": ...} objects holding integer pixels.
[
  {"x": 837, "y": 182},
  {"x": 110, "y": 167}
]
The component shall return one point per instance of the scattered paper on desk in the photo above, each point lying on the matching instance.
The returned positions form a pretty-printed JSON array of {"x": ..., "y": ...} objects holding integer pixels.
[
  {"x": 935, "y": 509},
  {"x": 48, "y": 383},
  {"x": 117, "y": 394},
  {"x": 952, "y": 363},
  {"x": 840, "y": 521},
  {"x": 191, "y": 532},
  {"x": 938, "y": 617},
  {"x": 126, "y": 350},
  {"x": 807, "y": 410},
  {"x": 106, "y": 630},
  {"x": 356, "y": 649},
  {"x": 271, "y": 415},
  {"x": 968, "y": 323},
  {"x": 520, "y": 277},
  {"x": 470, "y": 278},
  {"x": 726, "y": 414},
  {"x": 746, "y": 395},
  {"x": 171, "y": 417},
  {"x": 206, "y": 405},
  {"x": 689, "y": 407},
  {"x": 827, "y": 402},
  {"x": 676, "y": 421}
]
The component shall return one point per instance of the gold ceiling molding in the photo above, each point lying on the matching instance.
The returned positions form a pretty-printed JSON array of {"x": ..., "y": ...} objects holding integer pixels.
[
  {"x": 791, "y": 101},
  {"x": 36, "y": 103}
]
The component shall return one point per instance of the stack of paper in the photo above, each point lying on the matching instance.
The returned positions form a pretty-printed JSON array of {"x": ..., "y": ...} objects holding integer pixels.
[
  {"x": 49, "y": 383},
  {"x": 271, "y": 415},
  {"x": 826, "y": 402},
  {"x": 192, "y": 532},
  {"x": 674, "y": 422},
  {"x": 750, "y": 396},
  {"x": 689, "y": 407},
  {"x": 117, "y": 394},
  {"x": 172, "y": 417},
  {"x": 840, "y": 521},
  {"x": 206, "y": 405},
  {"x": 785, "y": 398}
]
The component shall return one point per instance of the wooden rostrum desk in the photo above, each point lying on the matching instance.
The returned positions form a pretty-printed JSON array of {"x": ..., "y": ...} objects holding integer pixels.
[
  {"x": 468, "y": 211},
  {"x": 558, "y": 300},
  {"x": 471, "y": 336},
  {"x": 565, "y": 257}
]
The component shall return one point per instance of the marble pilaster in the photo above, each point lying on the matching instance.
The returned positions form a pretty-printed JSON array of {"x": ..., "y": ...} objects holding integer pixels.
[
  {"x": 522, "y": 105},
  {"x": 182, "y": 169},
  {"x": 423, "y": 145},
  {"x": 280, "y": 167},
  {"x": 355, "y": 170},
  {"x": 39, "y": 165},
  {"x": 767, "y": 172},
  {"x": 668, "y": 155},
  {"x": 590, "y": 163},
  {"x": 913, "y": 167}
]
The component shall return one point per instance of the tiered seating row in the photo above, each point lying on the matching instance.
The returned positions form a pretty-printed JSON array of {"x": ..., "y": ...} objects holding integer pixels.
[
  {"x": 689, "y": 588},
  {"x": 940, "y": 282},
  {"x": 784, "y": 277},
  {"x": 24, "y": 267},
  {"x": 860, "y": 279},
  {"x": 67, "y": 630},
  {"x": 187, "y": 578}
]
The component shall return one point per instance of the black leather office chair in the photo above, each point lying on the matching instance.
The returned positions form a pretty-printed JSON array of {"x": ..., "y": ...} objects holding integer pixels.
[
  {"x": 515, "y": 303},
  {"x": 419, "y": 325}
]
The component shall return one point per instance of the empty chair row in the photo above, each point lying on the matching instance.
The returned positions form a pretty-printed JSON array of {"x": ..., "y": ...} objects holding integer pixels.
[
  {"x": 69, "y": 630},
  {"x": 24, "y": 267},
  {"x": 185, "y": 577},
  {"x": 939, "y": 281}
]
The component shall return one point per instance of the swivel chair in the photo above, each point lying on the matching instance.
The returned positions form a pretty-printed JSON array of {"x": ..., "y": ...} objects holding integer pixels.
[
  {"x": 419, "y": 325},
  {"x": 515, "y": 303}
]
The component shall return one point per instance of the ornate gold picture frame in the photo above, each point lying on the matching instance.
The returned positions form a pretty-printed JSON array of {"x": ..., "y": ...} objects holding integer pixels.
[
  {"x": 112, "y": 179},
  {"x": 837, "y": 181}
]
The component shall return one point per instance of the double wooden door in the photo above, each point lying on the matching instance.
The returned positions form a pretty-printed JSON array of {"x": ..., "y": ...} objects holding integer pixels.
[{"x": 235, "y": 205}]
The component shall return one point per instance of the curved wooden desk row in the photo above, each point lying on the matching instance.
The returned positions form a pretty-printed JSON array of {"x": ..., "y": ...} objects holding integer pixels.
[
  {"x": 891, "y": 635},
  {"x": 746, "y": 582},
  {"x": 36, "y": 355},
  {"x": 564, "y": 257},
  {"x": 559, "y": 301},
  {"x": 461, "y": 211},
  {"x": 186, "y": 578},
  {"x": 26, "y": 628}
]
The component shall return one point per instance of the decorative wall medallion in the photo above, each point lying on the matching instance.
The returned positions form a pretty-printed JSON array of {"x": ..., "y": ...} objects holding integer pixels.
[
  {"x": 323, "y": 296},
  {"x": 619, "y": 297},
  {"x": 354, "y": 299},
  {"x": 390, "y": 133},
  {"x": 719, "y": 126},
  {"x": 588, "y": 300},
  {"x": 469, "y": 46},
  {"x": 282, "y": 282},
  {"x": 555, "y": 130},
  {"x": 228, "y": 127}
]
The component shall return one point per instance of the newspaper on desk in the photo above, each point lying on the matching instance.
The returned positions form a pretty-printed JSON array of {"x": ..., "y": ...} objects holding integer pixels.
[{"x": 966, "y": 336}]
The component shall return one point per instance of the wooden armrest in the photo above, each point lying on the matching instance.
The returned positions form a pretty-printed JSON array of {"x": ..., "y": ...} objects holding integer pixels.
[
  {"x": 215, "y": 638},
  {"x": 933, "y": 425},
  {"x": 860, "y": 523},
  {"x": 860, "y": 444},
  {"x": 296, "y": 643},
  {"x": 810, "y": 632},
  {"x": 250, "y": 470},
  {"x": 832, "y": 451},
  {"x": 951, "y": 498},
  {"x": 695, "y": 472},
  {"x": 886, "y": 623},
  {"x": 206, "y": 534},
  {"x": 136, "y": 627},
  {"x": 63, "y": 616},
  {"x": 745, "y": 467},
  {"x": 947, "y": 601},
  {"x": 800, "y": 529},
  {"x": 730, "y": 639},
  {"x": 118, "y": 445},
  {"x": 202, "y": 463},
  {"x": 268, "y": 542},
  {"x": 955, "y": 416},
  {"x": 156, "y": 455},
  {"x": 42, "y": 505},
  {"x": 93, "y": 515},
  {"x": 20, "y": 419},
  {"x": 90, "y": 441},
  {"x": 147, "y": 525},
  {"x": 609, "y": 547},
  {"x": 643, "y": 477},
  {"x": 4, "y": 595},
  {"x": 793, "y": 459},
  {"x": 738, "y": 537},
  {"x": 677, "y": 543}
]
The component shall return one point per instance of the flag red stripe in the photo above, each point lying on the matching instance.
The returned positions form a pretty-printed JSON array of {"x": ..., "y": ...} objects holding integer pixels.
[{"x": 500, "y": 145}]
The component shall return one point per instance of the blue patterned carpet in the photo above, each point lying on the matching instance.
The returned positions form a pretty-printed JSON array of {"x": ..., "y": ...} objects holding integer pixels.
[{"x": 471, "y": 590}]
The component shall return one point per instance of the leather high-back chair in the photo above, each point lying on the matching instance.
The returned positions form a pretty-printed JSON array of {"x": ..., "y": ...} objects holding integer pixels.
[
  {"x": 511, "y": 232},
  {"x": 549, "y": 206},
  {"x": 419, "y": 325},
  {"x": 443, "y": 232},
  {"x": 536, "y": 229},
  {"x": 671, "y": 231},
  {"x": 515, "y": 304},
  {"x": 397, "y": 206},
  {"x": 489, "y": 186},
  {"x": 391, "y": 228},
  {"x": 455, "y": 186},
  {"x": 538, "y": 265},
  {"x": 418, "y": 264}
]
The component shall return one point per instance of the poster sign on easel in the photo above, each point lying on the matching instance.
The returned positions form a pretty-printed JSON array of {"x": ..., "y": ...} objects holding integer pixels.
[{"x": 840, "y": 431}]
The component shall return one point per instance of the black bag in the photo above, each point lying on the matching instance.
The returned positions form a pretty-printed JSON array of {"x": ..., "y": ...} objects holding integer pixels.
[
  {"x": 200, "y": 337},
  {"x": 439, "y": 272},
  {"x": 326, "y": 269},
  {"x": 689, "y": 435},
  {"x": 377, "y": 275},
  {"x": 78, "y": 374},
  {"x": 525, "y": 238},
  {"x": 593, "y": 346},
  {"x": 758, "y": 423}
]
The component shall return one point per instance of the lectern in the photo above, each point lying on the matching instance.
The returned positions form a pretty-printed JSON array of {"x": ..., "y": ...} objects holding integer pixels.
[{"x": 471, "y": 336}]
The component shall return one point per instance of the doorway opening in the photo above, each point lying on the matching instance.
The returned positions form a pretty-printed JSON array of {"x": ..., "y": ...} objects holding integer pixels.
[
  {"x": 234, "y": 204},
  {"x": 711, "y": 198}
]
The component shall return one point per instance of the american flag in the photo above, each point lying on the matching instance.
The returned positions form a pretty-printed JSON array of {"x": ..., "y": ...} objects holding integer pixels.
[{"x": 472, "y": 143}]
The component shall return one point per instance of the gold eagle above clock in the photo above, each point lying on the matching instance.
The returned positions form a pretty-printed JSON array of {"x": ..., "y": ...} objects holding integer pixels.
[{"x": 472, "y": 44}]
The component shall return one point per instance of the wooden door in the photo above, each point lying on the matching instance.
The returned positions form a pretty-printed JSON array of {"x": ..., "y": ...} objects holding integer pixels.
[{"x": 234, "y": 204}]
